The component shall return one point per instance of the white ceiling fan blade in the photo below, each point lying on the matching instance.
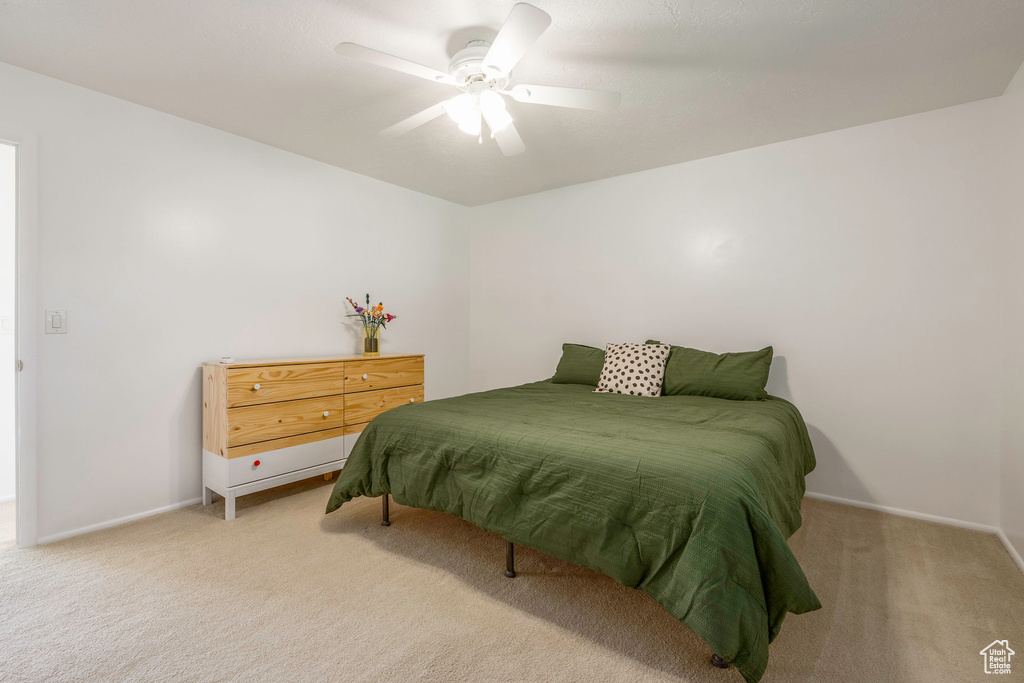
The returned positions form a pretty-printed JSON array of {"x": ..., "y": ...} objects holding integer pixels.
[
  {"x": 520, "y": 31},
  {"x": 414, "y": 121},
  {"x": 508, "y": 139},
  {"x": 576, "y": 98},
  {"x": 366, "y": 54}
]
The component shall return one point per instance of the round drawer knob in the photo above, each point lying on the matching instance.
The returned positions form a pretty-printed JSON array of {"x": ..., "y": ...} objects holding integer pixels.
[
  {"x": 412, "y": 400},
  {"x": 364, "y": 376},
  {"x": 327, "y": 413},
  {"x": 256, "y": 387},
  {"x": 256, "y": 463}
]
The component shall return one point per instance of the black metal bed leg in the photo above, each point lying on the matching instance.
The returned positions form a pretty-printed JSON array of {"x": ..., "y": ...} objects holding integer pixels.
[
  {"x": 510, "y": 560},
  {"x": 385, "y": 520},
  {"x": 719, "y": 662}
]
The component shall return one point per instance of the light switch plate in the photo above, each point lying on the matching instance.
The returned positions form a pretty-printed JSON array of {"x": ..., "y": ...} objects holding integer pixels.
[{"x": 56, "y": 322}]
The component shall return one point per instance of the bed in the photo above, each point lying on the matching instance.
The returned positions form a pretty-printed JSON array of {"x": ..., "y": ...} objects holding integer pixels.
[{"x": 688, "y": 498}]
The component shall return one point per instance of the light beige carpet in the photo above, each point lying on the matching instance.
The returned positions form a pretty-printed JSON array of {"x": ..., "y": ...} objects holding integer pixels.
[{"x": 284, "y": 593}]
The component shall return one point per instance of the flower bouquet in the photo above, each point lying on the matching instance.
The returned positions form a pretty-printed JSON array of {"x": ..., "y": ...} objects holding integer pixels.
[{"x": 374, "y": 319}]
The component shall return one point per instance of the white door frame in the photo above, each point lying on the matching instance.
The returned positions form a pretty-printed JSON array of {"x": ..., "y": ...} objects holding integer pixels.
[{"x": 25, "y": 333}]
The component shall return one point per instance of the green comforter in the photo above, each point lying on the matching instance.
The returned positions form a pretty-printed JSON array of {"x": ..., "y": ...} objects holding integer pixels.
[{"x": 687, "y": 498}]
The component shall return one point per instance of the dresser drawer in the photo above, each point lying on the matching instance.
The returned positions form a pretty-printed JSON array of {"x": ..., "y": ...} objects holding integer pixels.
[
  {"x": 286, "y": 442},
  {"x": 272, "y": 463},
  {"x": 365, "y": 406},
  {"x": 250, "y": 424},
  {"x": 367, "y": 375},
  {"x": 266, "y": 384}
]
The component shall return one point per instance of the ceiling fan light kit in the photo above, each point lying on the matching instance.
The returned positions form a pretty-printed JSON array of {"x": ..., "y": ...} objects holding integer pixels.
[
  {"x": 482, "y": 71},
  {"x": 493, "y": 107}
]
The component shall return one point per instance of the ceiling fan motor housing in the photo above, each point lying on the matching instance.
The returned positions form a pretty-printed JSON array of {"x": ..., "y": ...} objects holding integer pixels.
[{"x": 471, "y": 74}]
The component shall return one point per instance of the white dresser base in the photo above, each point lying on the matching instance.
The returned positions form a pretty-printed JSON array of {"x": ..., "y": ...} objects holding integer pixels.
[
  {"x": 230, "y": 492},
  {"x": 234, "y": 477}
]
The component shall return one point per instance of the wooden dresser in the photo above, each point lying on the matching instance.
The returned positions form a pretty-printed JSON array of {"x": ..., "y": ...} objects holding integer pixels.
[{"x": 271, "y": 422}]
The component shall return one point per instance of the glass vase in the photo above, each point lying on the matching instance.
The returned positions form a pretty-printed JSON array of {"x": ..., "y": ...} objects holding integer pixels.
[{"x": 371, "y": 341}]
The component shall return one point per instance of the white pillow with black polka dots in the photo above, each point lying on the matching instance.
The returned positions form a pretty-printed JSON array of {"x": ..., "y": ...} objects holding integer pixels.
[{"x": 633, "y": 369}]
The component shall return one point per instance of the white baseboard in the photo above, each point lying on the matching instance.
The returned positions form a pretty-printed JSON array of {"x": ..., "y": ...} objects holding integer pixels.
[
  {"x": 1010, "y": 549},
  {"x": 6, "y": 499},
  {"x": 117, "y": 522},
  {"x": 974, "y": 526}
]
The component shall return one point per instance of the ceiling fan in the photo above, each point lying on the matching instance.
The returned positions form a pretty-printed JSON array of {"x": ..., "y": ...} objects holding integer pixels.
[{"x": 483, "y": 71}]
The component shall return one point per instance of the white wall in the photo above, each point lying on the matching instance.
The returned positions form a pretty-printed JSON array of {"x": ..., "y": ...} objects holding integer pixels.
[
  {"x": 1011, "y": 518},
  {"x": 170, "y": 243},
  {"x": 866, "y": 256},
  {"x": 7, "y": 221}
]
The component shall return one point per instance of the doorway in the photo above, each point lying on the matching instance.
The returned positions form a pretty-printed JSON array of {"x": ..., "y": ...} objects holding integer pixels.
[{"x": 8, "y": 218}]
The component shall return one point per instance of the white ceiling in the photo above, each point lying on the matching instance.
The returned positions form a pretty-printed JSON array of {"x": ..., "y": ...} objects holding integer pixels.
[{"x": 697, "y": 78}]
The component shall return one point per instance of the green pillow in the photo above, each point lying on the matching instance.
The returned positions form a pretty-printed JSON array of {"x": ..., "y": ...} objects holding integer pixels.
[
  {"x": 738, "y": 376},
  {"x": 579, "y": 365}
]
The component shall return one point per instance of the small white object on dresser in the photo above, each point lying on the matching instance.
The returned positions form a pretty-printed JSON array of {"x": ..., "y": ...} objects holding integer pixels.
[{"x": 272, "y": 422}]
